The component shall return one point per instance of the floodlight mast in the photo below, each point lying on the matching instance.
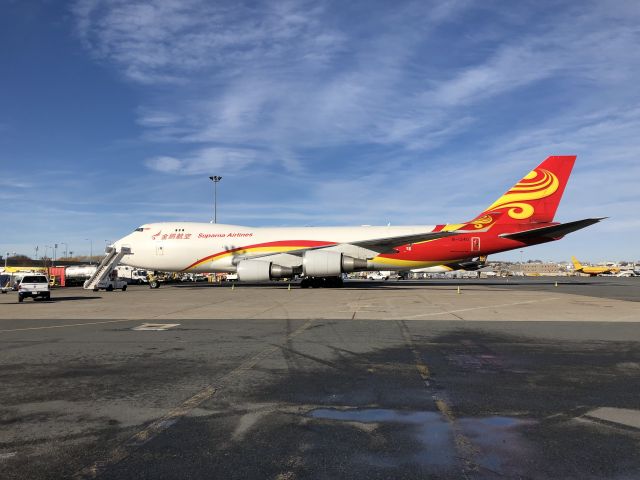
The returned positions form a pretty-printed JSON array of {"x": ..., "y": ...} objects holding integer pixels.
[{"x": 215, "y": 179}]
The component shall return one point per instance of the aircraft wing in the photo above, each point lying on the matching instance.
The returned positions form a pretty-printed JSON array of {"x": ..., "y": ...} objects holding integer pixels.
[
  {"x": 552, "y": 232},
  {"x": 378, "y": 245},
  {"x": 387, "y": 244}
]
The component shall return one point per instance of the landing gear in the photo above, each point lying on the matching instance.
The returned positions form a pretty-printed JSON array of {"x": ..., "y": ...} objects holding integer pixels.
[
  {"x": 153, "y": 280},
  {"x": 321, "y": 282}
]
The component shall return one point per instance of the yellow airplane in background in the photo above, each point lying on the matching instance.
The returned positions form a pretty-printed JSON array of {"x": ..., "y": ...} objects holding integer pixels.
[{"x": 593, "y": 271}]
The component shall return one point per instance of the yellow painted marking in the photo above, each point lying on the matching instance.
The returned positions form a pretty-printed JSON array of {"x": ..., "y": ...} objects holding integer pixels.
[
  {"x": 453, "y": 226},
  {"x": 158, "y": 426},
  {"x": 423, "y": 370},
  {"x": 444, "y": 409},
  {"x": 466, "y": 450}
]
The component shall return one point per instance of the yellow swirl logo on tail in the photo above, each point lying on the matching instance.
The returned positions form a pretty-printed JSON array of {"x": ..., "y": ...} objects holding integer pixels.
[
  {"x": 482, "y": 221},
  {"x": 535, "y": 185}
]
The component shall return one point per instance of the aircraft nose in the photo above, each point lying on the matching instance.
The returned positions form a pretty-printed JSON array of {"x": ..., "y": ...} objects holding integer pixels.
[{"x": 123, "y": 242}]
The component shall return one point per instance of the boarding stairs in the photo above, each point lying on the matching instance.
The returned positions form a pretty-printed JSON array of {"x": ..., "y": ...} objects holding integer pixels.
[{"x": 106, "y": 266}]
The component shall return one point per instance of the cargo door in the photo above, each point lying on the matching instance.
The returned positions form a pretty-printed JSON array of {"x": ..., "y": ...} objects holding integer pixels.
[{"x": 475, "y": 244}]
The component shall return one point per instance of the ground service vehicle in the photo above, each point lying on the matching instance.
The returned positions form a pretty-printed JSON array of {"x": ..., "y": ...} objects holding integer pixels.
[
  {"x": 34, "y": 286},
  {"x": 5, "y": 283},
  {"x": 111, "y": 283},
  {"x": 378, "y": 276}
]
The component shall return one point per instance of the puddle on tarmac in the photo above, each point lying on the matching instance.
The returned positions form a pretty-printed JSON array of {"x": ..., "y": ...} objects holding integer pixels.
[{"x": 497, "y": 440}]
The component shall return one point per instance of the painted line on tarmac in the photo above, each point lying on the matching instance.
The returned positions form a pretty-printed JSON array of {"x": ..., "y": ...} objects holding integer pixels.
[
  {"x": 453, "y": 312},
  {"x": 157, "y": 427},
  {"x": 466, "y": 451},
  {"x": 65, "y": 326}
]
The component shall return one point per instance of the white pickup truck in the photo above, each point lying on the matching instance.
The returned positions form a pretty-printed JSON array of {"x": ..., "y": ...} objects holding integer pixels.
[
  {"x": 378, "y": 276},
  {"x": 34, "y": 286}
]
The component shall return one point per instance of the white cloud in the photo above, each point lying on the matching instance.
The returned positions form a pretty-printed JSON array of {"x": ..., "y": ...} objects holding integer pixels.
[
  {"x": 165, "y": 164},
  {"x": 445, "y": 102},
  {"x": 207, "y": 160}
]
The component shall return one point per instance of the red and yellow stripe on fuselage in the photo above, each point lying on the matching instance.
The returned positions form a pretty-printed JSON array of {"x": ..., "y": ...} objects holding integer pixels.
[{"x": 282, "y": 246}]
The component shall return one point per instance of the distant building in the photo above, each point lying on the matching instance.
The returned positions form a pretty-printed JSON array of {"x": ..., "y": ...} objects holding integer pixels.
[{"x": 541, "y": 269}]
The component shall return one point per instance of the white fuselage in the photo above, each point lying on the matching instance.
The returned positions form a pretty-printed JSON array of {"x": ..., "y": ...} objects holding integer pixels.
[{"x": 206, "y": 247}]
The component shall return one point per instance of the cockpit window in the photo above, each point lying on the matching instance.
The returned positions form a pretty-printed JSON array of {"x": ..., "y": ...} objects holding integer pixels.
[{"x": 139, "y": 229}]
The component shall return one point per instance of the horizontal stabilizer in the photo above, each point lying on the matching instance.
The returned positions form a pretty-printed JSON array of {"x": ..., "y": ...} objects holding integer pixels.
[{"x": 554, "y": 232}]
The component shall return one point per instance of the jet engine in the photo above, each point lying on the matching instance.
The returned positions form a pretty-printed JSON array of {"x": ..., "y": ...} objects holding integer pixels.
[
  {"x": 319, "y": 263},
  {"x": 262, "y": 271}
]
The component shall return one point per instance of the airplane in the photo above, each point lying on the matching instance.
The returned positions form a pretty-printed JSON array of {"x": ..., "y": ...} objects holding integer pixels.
[
  {"x": 522, "y": 217},
  {"x": 592, "y": 271}
]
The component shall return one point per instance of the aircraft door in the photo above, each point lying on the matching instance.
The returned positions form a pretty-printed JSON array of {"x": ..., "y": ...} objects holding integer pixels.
[{"x": 475, "y": 244}]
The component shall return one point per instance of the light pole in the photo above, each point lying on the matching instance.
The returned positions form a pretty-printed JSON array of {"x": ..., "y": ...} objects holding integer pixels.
[
  {"x": 7, "y": 258},
  {"x": 37, "y": 248},
  {"x": 90, "y": 240},
  {"x": 66, "y": 249},
  {"x": 215, "y": 179}
]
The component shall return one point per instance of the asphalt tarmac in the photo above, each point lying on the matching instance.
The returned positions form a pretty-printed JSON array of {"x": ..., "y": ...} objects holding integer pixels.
[
  {"x": 321, "y": 397},
  {"x": 510, "y": 299}
]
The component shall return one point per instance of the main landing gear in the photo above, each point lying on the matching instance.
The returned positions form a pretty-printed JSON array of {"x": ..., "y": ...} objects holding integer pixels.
[{"x": 321, "y": 282}]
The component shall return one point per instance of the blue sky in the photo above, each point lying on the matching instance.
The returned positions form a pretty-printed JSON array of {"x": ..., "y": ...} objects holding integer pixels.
[{"x": 113, "y": 113}]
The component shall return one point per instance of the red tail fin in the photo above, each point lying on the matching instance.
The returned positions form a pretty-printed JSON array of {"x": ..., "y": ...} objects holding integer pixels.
[{"x": 536, "y": 197}]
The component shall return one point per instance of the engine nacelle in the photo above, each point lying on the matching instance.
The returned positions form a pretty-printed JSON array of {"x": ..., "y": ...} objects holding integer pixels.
[
  {"x": 261, "y": 271},
  {"x": 318, "y": 263}
]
